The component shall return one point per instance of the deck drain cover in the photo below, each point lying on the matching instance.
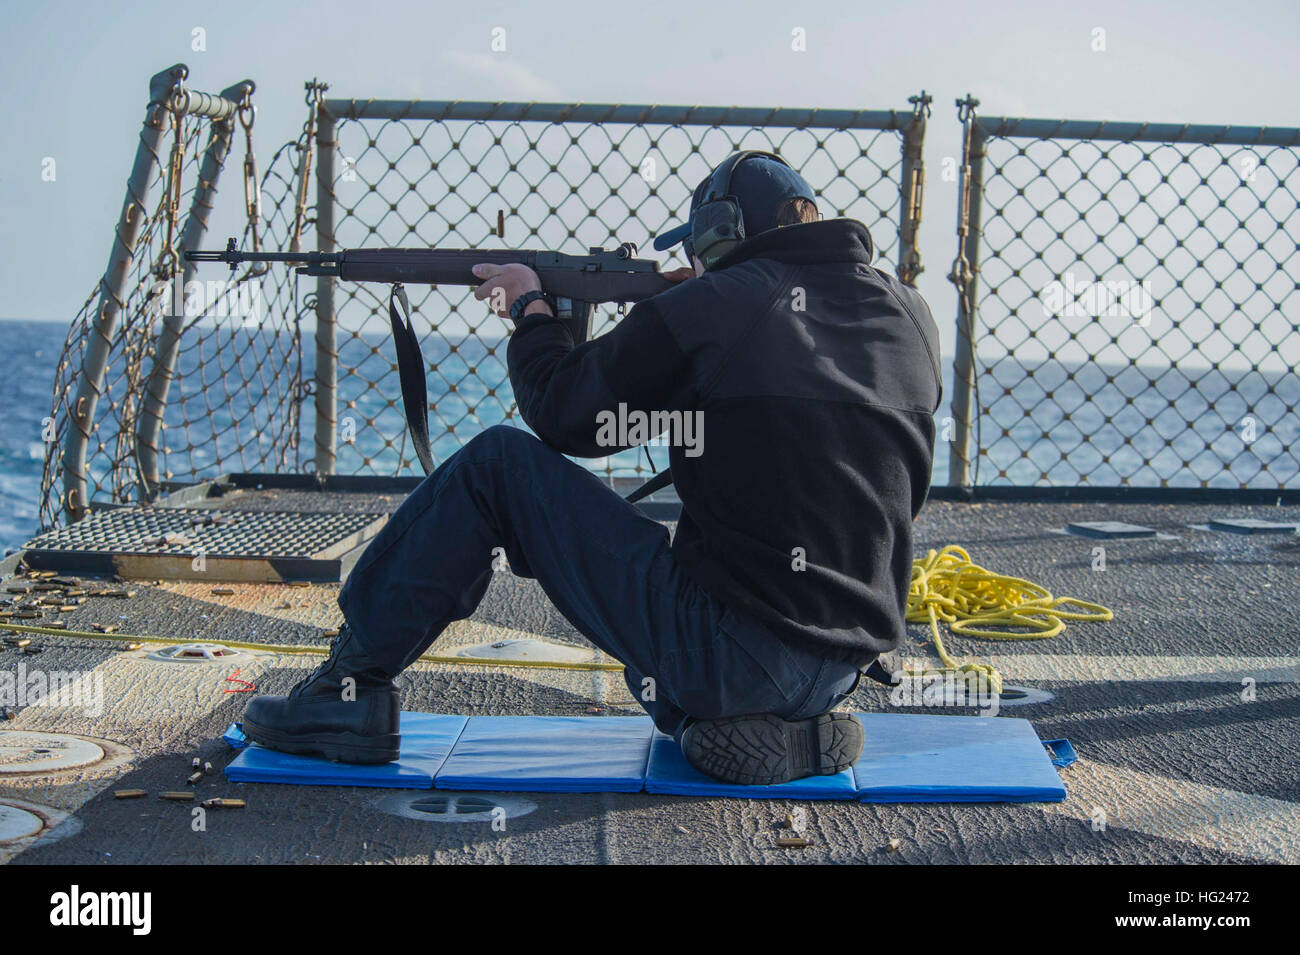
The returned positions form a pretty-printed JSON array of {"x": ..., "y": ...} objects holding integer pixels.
[
  {"x": 455, "y": 807},
  {"x": 444, "y": 805},
  {"x": 531, "y": 650},
  {"x": 143, "y": 542},
  {"x": 24, "y": 752},
  {"x": 18, "y": 823},
  {"x": 196, "y": 653},
  {"x": 1109, "y": 530}
]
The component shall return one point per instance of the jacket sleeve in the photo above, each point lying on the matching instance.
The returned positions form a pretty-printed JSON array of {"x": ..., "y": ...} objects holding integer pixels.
[{"x": 568, "y": 394}]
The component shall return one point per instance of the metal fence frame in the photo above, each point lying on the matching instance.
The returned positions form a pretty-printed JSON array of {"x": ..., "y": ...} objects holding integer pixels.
[
  {"x": 977, "y": 132},
  {"x": 166, "y": 95},
  {"x": 220, "y": 137},
  {"x": 910, "y": 124}
]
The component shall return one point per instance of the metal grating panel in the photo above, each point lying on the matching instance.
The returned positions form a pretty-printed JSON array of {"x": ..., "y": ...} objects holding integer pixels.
[{"x": 205, "y": 544}]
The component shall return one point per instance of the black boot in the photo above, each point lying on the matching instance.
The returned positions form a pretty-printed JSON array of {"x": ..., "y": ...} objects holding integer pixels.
[
  {"x": 763, "y": 750},
  {"x": 354, "y": 722}
]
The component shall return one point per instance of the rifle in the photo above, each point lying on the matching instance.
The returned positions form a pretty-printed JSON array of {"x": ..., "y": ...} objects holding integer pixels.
[{"x": 578, "y": 282}]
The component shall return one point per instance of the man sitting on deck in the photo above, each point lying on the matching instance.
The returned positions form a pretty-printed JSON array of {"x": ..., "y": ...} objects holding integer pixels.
[{"x": 817, "y": 377}]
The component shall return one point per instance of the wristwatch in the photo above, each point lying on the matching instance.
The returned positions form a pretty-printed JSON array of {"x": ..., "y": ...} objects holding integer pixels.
[{"x": 523, "y": 301}]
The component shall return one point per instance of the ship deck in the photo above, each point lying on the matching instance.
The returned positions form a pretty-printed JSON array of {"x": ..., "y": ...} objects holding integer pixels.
[{"x": 1184, "y": 709}]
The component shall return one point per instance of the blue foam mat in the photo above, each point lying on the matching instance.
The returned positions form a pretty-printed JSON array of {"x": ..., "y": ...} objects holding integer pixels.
[
  {"x": 913, "y": 757},
  {"x": 908, "y": 758},
  {"x": 670, "y": 773},
  {"x": 427, "y": 738},
  {"x": 564, "y": 754}
]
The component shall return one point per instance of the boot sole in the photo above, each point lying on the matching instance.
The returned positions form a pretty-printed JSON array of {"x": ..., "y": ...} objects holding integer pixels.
[
  {"x": 344, "y": 747},
  {"x": 765, "y": 750}
]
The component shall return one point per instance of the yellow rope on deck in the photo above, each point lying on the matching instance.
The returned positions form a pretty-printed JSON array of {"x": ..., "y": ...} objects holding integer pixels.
[{"x": 976, "y": 602}]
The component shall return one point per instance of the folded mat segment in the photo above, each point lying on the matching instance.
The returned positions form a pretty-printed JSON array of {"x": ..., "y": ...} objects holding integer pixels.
[
  {"x": 911, "y": 757},
  {"x": 427, "y": 738},
  {"x": 561, "y": 754},
  {"x": 670, "y": 773}
]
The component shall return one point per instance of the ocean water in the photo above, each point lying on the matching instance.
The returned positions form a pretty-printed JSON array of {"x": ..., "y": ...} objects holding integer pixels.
[
  {"x": 31, "y": 353},
  {"x": 471, "y": 392},
  {"x": 1185, "y": 426}
]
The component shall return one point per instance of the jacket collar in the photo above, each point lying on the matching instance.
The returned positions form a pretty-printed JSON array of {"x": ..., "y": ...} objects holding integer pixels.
[{"x": 808, "y": 243}]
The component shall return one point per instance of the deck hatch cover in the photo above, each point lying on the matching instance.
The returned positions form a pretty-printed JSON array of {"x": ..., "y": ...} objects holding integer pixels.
[
  {"x": 1252, "y": 525},
  {"x": 23, "y": 752},
  {"x": 1109, "y": 530}
]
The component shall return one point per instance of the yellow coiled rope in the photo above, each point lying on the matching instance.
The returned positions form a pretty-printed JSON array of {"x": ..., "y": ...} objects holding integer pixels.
[{"x": 975, "y": 602}]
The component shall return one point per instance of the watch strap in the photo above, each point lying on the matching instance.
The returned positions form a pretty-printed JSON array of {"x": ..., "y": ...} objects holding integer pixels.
[{"x": 523, "y": 301}]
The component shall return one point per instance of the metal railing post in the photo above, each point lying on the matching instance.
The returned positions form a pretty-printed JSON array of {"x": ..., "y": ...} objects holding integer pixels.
[
  {"x": 327, "y": 355},
  {"x": 965, "y": 274},
  {"x": 112, "y": 289},
  {"x": 912, "y": 190},
  {"x": 173, "y": 320}
]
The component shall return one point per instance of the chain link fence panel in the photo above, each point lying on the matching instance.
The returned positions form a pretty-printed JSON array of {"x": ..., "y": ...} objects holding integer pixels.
[
  {"x": 1137, "y": 310},
  {"x": 559, "y": 177}
]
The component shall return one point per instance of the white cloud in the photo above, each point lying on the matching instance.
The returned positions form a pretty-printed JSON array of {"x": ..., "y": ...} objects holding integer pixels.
[{"x": 498, "y": 76}]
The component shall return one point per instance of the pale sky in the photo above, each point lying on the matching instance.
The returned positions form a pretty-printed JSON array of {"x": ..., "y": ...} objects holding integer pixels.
[{"x": 77, "y": 73}]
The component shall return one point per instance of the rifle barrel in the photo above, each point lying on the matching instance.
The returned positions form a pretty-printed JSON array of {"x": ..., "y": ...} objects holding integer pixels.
[
  {"x": 600, "y": 276},
  {"x": 232, "y": 257}
]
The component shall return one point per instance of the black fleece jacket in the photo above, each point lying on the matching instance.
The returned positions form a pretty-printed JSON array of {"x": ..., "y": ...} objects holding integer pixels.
[{"x": 817, "y": 377}]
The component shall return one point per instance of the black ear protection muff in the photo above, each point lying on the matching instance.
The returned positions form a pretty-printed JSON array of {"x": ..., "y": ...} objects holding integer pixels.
[{"x": 717, "y": 225}]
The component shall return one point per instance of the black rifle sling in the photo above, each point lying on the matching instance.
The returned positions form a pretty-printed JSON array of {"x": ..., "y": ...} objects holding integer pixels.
[
  {"x": 415, "y": 395},
  {"x": 410, "y": 370},
  {"x": 656, "y": 483}
]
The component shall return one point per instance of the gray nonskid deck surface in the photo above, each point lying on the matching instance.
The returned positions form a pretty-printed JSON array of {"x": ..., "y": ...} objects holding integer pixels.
[{"x": 1185, "y": 710}]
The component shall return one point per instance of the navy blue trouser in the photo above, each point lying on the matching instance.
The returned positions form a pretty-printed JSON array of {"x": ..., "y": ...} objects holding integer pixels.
[{"x": 607, "y": 567}]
